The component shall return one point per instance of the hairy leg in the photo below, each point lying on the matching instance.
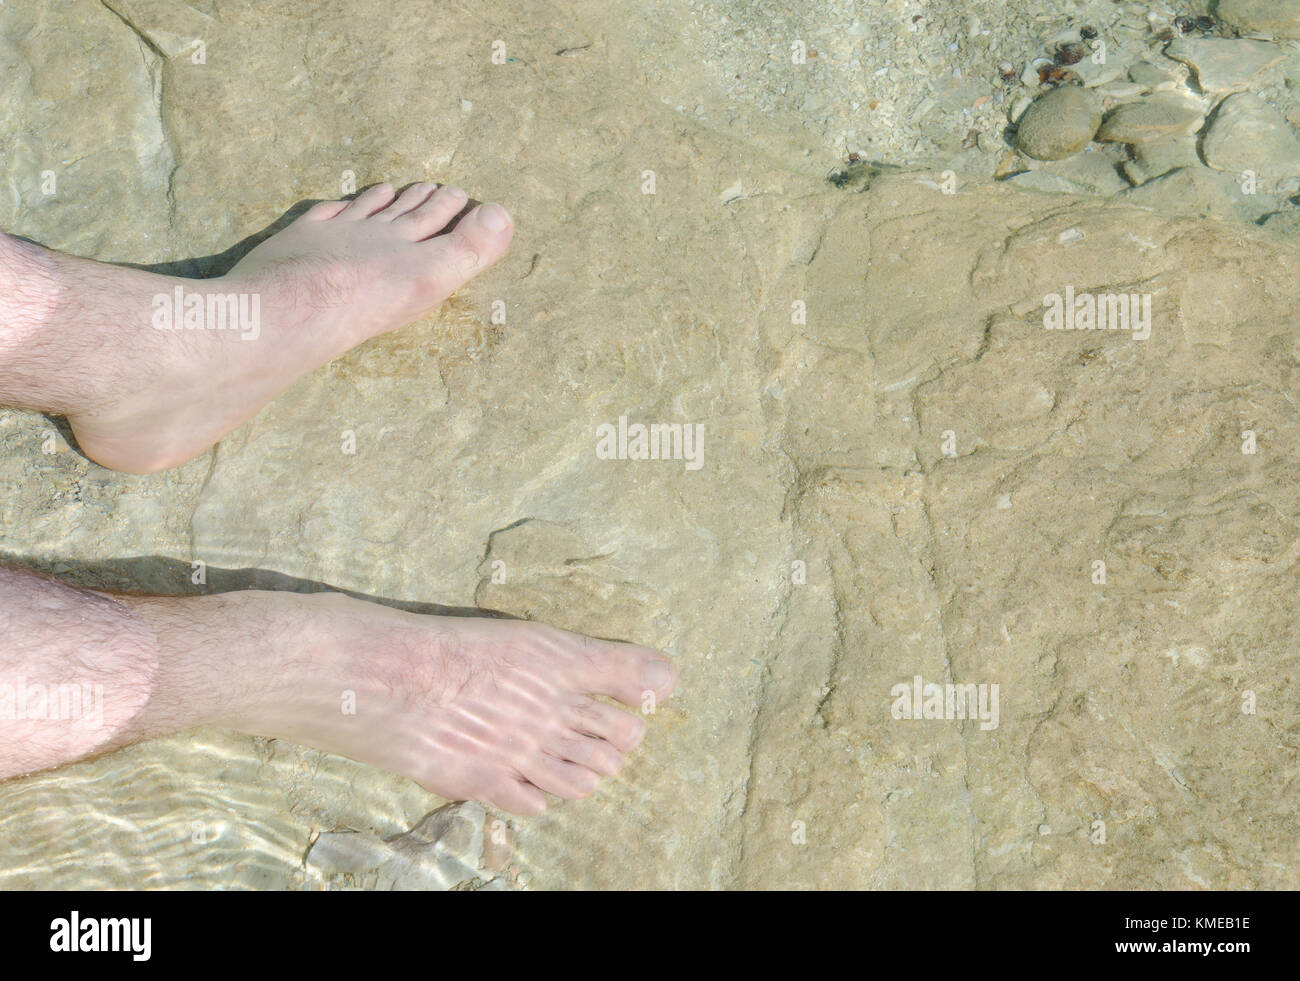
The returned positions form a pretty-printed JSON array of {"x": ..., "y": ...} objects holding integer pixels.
[
  {"x": 77, "y": 668},
  {"x": 494, "y": 710}
]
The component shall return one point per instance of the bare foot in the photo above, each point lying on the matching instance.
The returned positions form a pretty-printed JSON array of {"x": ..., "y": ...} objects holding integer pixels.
[
  {"x": 491, "y": 710},
  {"x": 142, "y": 399}
]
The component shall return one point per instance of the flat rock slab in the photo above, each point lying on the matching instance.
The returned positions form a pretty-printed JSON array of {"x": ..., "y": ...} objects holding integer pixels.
[
  {"x": 1224, "y": 64},
  {"x": 1247, "y": 134},
  {"x": 1279, "y": 18},
  {"x": 1041, "y": 180},
  {"x": 1163, "y": 155},
  {"x": 1195, "y": 191},
  {"x": 1150, "y": 119},
  {"x": 1152, "y": 77}
]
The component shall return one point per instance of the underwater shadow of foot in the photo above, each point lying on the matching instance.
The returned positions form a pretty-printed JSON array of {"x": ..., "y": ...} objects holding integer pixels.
[
  {"x": 156, "y": 575},
  {"x": 220, "y": 263}
]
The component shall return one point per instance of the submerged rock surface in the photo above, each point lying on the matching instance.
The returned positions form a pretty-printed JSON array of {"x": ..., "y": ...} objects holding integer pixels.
[{"x": 905, "y": 476}]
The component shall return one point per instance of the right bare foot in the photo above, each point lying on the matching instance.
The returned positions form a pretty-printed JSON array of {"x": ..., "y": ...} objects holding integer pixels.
[
  {"x": 76, "y": 337},
  {"x": 491, "y": 710}
]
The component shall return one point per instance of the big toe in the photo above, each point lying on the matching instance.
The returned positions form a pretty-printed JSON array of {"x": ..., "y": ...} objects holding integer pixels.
[{"x": 478, "y": 240}]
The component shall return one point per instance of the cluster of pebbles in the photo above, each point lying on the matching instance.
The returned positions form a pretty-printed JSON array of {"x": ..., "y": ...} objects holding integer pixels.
[
  {"x": 1178, "y": 99},
  {"x": 1184, "y": 122}
]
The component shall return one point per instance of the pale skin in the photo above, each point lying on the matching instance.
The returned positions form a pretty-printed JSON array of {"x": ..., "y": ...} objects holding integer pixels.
[{"x": 501, "y": 711}]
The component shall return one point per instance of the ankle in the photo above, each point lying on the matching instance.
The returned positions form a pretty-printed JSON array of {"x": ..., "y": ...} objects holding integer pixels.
[
  {"x": 66, "y": 329},
  {"x": 267, "y": 641}
]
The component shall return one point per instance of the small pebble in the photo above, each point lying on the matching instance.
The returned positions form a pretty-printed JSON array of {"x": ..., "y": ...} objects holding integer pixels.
[
  {"x": 1070, "y": 54},
  {"x": 1057, "y": 75}
]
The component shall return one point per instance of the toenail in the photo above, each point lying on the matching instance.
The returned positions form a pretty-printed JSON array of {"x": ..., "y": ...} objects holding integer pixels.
[
  {"x": 494, "y": 218},
  {"x": 455, "y": 192},
  {"x": 657, "y": 674}
]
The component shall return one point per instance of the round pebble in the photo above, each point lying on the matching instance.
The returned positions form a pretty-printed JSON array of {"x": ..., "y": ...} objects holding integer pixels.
[{"x": 1058, "y": 124}]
